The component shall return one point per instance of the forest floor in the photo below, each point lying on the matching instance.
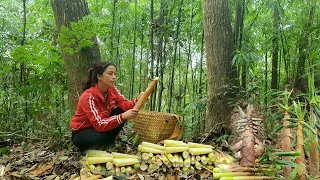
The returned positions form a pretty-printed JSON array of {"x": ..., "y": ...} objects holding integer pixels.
[{"x": 49, "y": 160}]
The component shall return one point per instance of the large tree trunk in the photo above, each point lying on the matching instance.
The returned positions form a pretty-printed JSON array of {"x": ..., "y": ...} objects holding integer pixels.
[
  {"x": 77, "y": 64},
  {"x": 219, "y": 47}
]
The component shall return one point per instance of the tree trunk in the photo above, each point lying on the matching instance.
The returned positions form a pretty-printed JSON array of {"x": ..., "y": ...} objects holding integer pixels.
[
  {"x": 133, "y": 64},
  {"x": 119, "y": 67},
  {"x": 77, "y": 64},
  {"x": 219, "y": 47},
  {"x": 113, "y": 29},
  {"x": 303, "y": 43},
  {"x": 274, "y": 70},
  {"x": 171, "y": 86},
  {"x": 238, "y": 28},
  {"x": 266, "y": 77},
  {"x": 202, "y": 122},
  {"x": 151, "y": 48}
]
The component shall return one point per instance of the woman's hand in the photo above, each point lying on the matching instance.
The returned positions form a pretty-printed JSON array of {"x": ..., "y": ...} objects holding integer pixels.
[{"x": 130, "y": 114}]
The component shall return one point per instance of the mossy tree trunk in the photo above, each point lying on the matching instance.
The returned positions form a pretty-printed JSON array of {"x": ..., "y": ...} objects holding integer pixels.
[{"x": 76, "y": 64}]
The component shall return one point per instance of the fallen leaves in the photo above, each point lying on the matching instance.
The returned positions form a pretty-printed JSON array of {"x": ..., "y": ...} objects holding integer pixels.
[
  {"x": 38, "y": 163},
  {"x": 42, "y": 169}
]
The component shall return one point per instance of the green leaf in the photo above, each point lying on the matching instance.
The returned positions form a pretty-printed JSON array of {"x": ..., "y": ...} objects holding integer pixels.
[
  {"x": 285, "y": 163},
  {"x": 63, "y": 158},
  {"x": 291, "y": 126},
  {"x": 309, "y": 127},
  {"x": 292, "y": 154},
  {"x": 136, "y": 139},
  {"x": 294, "y": 120},
  {"x": 242, "y": 114}
]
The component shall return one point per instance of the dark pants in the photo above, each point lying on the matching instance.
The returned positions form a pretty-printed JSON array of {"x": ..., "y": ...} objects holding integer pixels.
[{"x": 89, "y": 138}]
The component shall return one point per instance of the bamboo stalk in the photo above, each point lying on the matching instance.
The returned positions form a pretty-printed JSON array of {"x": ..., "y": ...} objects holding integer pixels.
[
  {"x": 300, "y": 160},
  {"x": 286, "y": 142},
  {"x": 146, "y": 95}
]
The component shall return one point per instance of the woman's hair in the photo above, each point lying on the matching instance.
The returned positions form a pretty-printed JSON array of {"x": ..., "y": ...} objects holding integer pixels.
[{"x": 98, "y": 68}]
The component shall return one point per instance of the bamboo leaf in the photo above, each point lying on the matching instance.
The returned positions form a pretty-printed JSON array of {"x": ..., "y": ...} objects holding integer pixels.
[
  {"x": 242, "y": 114},
  {"x": 241, "y": 121},
  {"x": 291, "y": 126},
  {"x": 282, "y": 106},
  {"x": 285, "y": 163},
  {"x": 294, "y": 120},
  {"x": 136, "y": 139},
  {"x": 291, "y": 154},
  {"x": 309, "y": 127}
]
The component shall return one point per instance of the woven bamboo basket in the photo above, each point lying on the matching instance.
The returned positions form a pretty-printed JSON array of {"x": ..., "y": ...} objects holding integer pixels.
[{"x": 155, "y": 126}]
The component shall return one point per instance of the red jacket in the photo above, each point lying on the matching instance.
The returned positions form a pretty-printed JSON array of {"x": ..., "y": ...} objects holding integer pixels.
[{"x": 94, "y": 111}]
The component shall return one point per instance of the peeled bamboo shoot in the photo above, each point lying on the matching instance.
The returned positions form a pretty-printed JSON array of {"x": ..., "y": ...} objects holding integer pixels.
[
  {"x": 98, "y": 160},
  {"x": 149, "y": 150},
  {"x": 197, "y": 145},
  {"x": 230, "y": 174},
  {"x": 174, "y": 143},
  {"x": 116, "y": 155},
  {"x": 152, "y": 145},
  {"x": 97, "y": 153},
  {"x": 199, "y": 151},
  {"x": 169, "y": 150},
  {"x": 125, "y": 161}
]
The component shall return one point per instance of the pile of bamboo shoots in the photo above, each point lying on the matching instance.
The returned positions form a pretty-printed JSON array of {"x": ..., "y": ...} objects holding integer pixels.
[
  {"x": 101, "y": 162},
  {"x": 174, "y": 157}
]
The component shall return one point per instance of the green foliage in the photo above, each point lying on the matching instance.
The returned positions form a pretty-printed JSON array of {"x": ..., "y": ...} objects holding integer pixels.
[
  {"x": 4, "y": 150},
  {"x": 193, "y": 124},
  {"x": 78, "y": 36},
  {"x": 128, "y": 137}
]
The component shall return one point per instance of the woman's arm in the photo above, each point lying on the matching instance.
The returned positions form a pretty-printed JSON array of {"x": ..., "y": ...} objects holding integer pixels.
[
  {"x": 89, "y": 106},
  {"x": 123, "y": 102}
]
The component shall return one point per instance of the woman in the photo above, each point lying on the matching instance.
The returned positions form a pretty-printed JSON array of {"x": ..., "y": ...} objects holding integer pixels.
[{"x": 101, "y": 110}]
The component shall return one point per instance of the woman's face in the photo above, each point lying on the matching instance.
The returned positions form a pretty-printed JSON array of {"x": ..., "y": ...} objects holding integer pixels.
[{"x": 108, "y": 77}]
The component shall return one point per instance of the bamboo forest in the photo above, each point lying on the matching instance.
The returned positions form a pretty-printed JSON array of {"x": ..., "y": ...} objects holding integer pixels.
[{"x": 159, "y": 89}]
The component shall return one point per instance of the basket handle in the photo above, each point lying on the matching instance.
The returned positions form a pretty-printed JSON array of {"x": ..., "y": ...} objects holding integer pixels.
[{"x": 177, "y": 132}]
